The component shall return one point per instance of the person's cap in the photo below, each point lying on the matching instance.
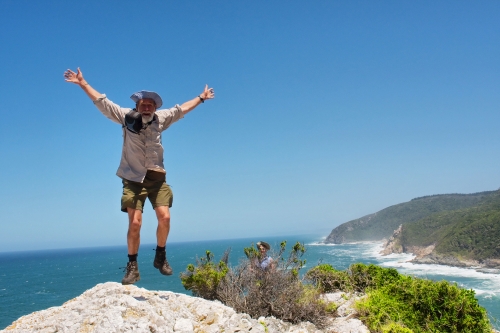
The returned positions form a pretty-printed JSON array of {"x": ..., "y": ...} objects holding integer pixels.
[
  {"x": 136, "y": 97},
  {"x": 264, "y": 244}
]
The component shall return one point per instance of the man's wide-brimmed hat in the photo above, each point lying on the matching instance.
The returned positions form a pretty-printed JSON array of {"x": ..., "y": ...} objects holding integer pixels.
[
  {"x": 264, "y": 244},
  {"x": 136, "y": 97}
]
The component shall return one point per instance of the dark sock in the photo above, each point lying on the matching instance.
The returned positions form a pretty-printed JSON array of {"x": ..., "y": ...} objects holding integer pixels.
[
  {"x": 160, "y": 249},
  {"x": 132, "y": 257}
]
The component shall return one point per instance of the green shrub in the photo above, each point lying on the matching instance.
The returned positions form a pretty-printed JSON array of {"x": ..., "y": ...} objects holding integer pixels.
[
  {"x": 395, "y": 328},
  {"x": 328, "y": 279},
  {"x": 364, "y": 276},
  {"x": 423, "y": 306},
  {"x": 399, "y": 303},
  {"x": 358, "y": 277},
  {"x": 204, "y": 278}
]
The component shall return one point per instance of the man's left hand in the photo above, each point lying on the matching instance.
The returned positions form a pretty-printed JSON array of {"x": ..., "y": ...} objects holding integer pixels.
[{"x": 208, "y": 93}]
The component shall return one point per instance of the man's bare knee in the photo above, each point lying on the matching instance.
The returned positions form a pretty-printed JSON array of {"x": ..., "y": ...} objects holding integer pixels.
[
  {"x": 135, "y": 224},
  {"x": 164, "y": 219},
  {"x": 134, "y": 220},
  {"x": 163, "y": 215}
]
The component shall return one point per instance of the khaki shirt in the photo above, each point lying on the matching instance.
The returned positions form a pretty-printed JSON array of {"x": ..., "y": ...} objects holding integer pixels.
[{"x": 143, "y": 151}]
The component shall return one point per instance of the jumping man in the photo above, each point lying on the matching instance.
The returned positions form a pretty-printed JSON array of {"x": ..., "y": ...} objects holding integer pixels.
[{"x": 141, "y": 167}]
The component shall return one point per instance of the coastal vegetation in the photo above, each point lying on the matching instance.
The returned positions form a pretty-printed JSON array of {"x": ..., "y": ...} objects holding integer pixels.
[
  {"x": 278, "y": 292},
  {"x": 401, "y": 303},
  {"x": 391, "y": 302}
]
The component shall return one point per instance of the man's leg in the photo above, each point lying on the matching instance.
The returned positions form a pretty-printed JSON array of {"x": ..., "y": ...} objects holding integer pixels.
[
  {"x": 160, "y": 262},
  {"x": 133, "y": 242},
  {"x": 163, "y": 216},
  {"x": 134, "y": 230}
]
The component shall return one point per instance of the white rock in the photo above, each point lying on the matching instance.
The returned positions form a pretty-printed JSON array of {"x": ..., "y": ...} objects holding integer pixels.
[
  {"x": 350, "y": 325},
  {"x": 345, "y": 302},
  {"x": 111, "y": 307},
  {"x": 183, "y": 325}
]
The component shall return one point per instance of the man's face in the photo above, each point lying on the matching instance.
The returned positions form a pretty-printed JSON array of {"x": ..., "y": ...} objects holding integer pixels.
[{"x": 146, "y": 107}]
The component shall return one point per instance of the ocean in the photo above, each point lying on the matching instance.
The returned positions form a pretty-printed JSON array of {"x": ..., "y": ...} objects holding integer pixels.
[{"x": 36, "y": 280}]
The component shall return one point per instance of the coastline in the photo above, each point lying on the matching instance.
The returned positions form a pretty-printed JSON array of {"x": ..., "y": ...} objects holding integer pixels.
[
  {"x": 489, "y": 266},
  {"x": 423, "y": 255}
]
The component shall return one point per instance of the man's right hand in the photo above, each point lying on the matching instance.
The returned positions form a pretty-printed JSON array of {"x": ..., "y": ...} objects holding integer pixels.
[{"x": 76, "y": 78}]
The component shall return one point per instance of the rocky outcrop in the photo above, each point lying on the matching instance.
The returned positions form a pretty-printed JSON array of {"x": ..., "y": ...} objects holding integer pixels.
[
  {"x": 426, "y": 255},
  {"x": 111, "y": 307},
  {"x": 486, "y": 266},
  {"x": 420, "y": 251},
  {"x": 393, "y": 245},
  {"x": 434, "y": 258}
]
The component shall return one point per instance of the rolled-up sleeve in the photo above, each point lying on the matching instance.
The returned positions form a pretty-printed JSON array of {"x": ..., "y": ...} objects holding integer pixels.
[
  {"x": 167, "y": 117},
  {"x": 111, "y": 110}
]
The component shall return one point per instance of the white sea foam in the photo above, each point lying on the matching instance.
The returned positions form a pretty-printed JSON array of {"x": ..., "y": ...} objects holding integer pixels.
[
  {"x": 485, "y": 293},
  {"x": 318, "y": 243}
]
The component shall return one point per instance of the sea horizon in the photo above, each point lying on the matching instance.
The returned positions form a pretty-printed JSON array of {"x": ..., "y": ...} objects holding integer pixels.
[{"x": 312, "y": 235}]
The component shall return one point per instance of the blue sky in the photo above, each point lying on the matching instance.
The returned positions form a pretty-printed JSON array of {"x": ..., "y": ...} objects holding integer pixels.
[{"x": 325, "y": 111}]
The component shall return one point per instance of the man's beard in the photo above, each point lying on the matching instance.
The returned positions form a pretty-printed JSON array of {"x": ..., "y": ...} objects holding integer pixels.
[{"x": 146, "y": 120}]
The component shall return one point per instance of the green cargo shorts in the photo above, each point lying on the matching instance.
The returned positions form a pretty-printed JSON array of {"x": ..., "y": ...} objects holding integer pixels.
[{"x": 153, "y": 187}]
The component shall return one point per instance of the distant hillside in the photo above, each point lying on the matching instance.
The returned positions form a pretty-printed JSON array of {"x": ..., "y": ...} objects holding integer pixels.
[
  {"x": 465, "y": 234},
  {"x": 382, "y": 224}
]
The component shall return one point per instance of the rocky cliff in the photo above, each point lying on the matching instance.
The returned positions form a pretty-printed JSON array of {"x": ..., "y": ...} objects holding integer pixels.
[
  {"x": 428, "y": 255},
  {"x": 111, "y": 307},
  {"x": 396, "y": 245}
]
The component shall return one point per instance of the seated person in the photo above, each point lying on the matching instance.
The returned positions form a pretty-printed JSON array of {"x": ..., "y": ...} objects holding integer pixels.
[{"x": 265, "y": 261}]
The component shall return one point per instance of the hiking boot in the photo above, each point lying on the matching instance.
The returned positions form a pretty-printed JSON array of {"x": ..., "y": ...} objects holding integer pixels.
[
  {"x": 161, "y": 263},
  {"x": 132, "y": 273}
]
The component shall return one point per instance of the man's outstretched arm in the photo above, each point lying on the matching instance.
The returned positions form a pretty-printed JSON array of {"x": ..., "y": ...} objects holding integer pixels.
[
  {"x": 77, "y": 78},
  {"x": 208, "y": 93}
]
